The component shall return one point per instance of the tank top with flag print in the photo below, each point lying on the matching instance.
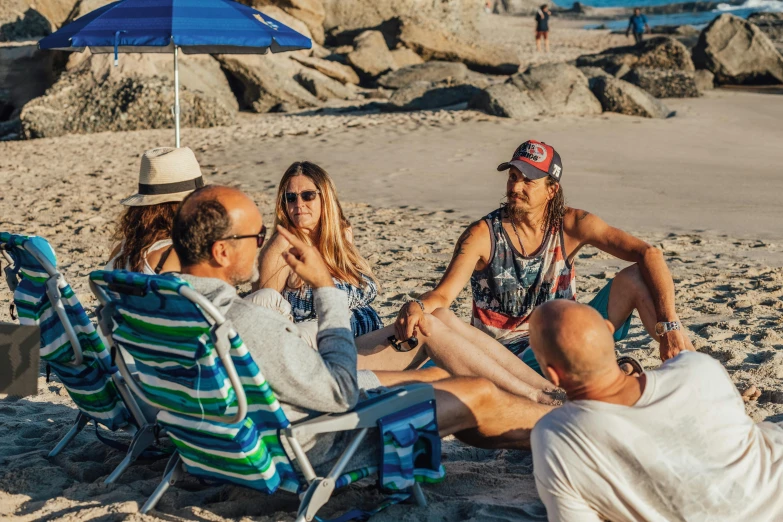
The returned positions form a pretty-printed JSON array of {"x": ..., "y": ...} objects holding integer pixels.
[{"x": 510, "y": 287}]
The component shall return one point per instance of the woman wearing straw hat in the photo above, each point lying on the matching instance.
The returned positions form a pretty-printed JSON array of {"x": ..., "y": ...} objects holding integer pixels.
[{"x": 143, "y": 230}]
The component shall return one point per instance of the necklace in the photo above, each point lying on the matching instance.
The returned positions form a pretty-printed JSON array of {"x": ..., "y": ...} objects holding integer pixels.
[{"x": 521, "y": 244}]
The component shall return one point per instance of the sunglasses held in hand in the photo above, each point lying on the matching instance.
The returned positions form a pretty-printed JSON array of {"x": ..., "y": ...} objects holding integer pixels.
[
  {"x": 307, "y": 195},
  {"x": 400, "y": 347}
]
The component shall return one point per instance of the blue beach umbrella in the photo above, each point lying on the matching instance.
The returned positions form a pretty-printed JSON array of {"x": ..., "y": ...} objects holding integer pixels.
[{"x": 168, "y": 26}]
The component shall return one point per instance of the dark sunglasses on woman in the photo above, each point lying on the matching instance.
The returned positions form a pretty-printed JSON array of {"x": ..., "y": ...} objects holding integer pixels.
[
  {"x": 307, "y": 195},
  {"x": 260, "y": 237}
]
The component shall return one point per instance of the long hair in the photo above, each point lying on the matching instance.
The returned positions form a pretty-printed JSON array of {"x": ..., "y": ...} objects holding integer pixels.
[
  {"x": 138, "y": 228},
  {"x": 341, "y": 256},
  {"x": 555, "y": 209}
]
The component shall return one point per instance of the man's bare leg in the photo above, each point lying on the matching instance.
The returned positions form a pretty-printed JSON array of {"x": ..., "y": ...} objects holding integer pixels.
[
  {"x": 474, "y": 410},
  {"x": 450, "y": 351},
  {"x": 478, "y": 413},
  {"x": 493, "y": 349},
  {"x": 629, "y": 292}
]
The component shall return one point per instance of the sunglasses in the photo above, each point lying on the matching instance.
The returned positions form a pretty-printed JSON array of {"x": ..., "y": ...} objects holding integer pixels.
[
  {"x": 307, "y": 195},
  {"x": 260, "y": 237}
]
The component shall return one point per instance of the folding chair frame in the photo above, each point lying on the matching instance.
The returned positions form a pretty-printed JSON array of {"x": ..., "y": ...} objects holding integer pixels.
[
  {"x": 143, "y": 431},
  {"x": 319, "y": 489}
]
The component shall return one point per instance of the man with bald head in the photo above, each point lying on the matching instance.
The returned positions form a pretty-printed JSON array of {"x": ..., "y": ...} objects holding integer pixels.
[
  {"x": 217, "y": 233},
  {"x": 671, "y": 444}
]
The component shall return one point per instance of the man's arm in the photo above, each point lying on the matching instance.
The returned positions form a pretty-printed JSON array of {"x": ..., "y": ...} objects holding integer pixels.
[
  {"x": 628, "y": 31},
  {"x": 588, "y": 229},
  {"x": 273, "y": 269},
  {"x": 322, "y": 380},
  {"x": 472, "y": 246}
]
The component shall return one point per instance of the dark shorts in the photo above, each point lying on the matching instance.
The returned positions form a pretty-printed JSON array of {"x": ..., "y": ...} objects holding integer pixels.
[
  {"x": 601, "y": 304},
  {"x": 542, "y": 34}
]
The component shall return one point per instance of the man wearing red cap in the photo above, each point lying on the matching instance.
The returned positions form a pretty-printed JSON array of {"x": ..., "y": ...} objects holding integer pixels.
[{"x": 522, "y": 255}]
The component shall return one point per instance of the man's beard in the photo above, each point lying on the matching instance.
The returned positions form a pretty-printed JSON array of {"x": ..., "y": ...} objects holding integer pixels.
[
  {"x": 515, "y": 207},
  {"x": 240, "y": 279}
]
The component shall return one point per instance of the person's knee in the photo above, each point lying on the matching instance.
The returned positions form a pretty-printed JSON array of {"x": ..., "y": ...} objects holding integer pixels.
[
  {"x": 631, "y": 281},
  {"x": 444, "y": 315},
  {"x": 477, "y": 393}
]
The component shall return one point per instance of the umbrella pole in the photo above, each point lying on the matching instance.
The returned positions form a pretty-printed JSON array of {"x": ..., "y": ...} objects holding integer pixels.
[{"x": 176, "y": 96}]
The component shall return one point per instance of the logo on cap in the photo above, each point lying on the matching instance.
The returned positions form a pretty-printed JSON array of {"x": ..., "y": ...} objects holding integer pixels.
[
  {"x": 556, "y": 171},
  {"x": 532, "y": 151}
]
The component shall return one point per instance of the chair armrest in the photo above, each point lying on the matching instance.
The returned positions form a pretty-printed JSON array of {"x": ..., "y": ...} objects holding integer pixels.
[{"x": 366, "y": 413}]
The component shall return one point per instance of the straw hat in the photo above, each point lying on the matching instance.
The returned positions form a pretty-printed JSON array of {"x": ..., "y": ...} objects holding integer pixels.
[{"x": 166, "y": 175}]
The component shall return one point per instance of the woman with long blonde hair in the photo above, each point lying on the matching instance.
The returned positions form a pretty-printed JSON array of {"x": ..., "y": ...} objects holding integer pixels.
[{"x": 308, "y": 207}]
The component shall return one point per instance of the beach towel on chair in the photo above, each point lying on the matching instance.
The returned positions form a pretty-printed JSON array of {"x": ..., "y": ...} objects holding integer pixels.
[{"x": 89, "y": 384}]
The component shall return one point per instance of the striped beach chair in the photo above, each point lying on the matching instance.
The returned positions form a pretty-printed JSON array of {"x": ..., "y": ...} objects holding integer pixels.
[
  {"x": 71, "y": 347},
  {"x": 223, "y": 417}
]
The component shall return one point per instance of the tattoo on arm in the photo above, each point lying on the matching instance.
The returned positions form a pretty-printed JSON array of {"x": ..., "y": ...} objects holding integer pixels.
[
  {"x": 581, "y": 214},
  {"x": 460, "y": 248}
]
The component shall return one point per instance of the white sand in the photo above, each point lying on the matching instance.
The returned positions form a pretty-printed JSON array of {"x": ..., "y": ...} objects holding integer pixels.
[{"x": 714, "y": 167}]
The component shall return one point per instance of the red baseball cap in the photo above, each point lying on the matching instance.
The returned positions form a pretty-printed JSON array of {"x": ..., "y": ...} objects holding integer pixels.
[{"x": 536, "y": 160}]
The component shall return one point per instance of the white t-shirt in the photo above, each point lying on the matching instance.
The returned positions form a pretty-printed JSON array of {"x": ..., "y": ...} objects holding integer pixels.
[{"x": 685, "y": 451}]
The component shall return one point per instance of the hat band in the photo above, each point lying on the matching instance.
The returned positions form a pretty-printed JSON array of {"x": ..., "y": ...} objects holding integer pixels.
[{"x": 171, "y": 188}]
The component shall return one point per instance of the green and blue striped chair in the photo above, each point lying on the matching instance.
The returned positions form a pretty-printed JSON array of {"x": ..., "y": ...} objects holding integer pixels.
[
  {"x": 71, "y": 346},
  {"x": 223, "y": 417}
]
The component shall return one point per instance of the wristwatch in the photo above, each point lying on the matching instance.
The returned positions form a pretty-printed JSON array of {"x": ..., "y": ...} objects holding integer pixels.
[{"x": 663, "y": 327}]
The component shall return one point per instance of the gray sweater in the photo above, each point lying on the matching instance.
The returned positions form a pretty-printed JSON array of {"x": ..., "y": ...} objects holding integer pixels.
[{"x": 306, "y": 382}]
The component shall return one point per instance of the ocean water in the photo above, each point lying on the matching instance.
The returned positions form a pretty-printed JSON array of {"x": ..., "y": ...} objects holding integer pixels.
[{"x": 697, "y": 19}]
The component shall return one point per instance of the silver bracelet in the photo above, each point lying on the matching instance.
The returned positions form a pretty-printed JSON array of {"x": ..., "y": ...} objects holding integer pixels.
[{"x": 417, "y": 301}]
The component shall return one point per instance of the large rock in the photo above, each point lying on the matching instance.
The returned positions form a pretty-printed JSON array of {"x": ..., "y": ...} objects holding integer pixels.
[
  {"x": 199, "y": 73},
  {"x": 738, "y": 52},
  {"x": 622, "y": 97},
  {"x": 323, "y": 87},
  {"x": 655, "y": 53},
  {"x": 594, "y": 72},
  {"x": 558, "y": 89},
  {"x": 770, "y": 23},
  {"x": 77, "y": 104},
  {"x": 19, "y": 21},
  {"x": 705, "y": 80},
  {"x": 664, "y": 84},
  {"x": 309, "y": 13},
  {"x": 341, "y": 73},
  {"x": 435, "y": 44},
  {"x": 516, "y": 7},
  {"x": 434, "y": 71},
  {"x": 350, "y": 17},
  {"x": 265, "y": 83},
  {"x": 422, "y": 95},
  {"x": 404, "y": 57},
  {"x": 506, "y": 101},
  {"x": 371, "y": 56},
  {"x": 25, "y": 73}
]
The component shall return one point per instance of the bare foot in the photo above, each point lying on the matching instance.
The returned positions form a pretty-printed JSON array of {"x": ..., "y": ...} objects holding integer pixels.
[{"x": 751, "y": 394}]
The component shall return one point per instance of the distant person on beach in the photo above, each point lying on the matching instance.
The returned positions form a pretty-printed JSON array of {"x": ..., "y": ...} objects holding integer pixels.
[
  {"x": 217, "y": 232},
  {"x": 522, "y": 255},
  {"x": 307, "y": 207},
  {"x": 542, "y": 27},
  {"x": 673, "y": 443},
  {"x": 143, "y": 232},
  {"x": 638, "y": 25}
]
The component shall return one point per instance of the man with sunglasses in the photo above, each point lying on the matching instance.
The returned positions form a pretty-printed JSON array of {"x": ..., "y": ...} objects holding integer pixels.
[
  {"x": 522, "y": 255},
  {"x": 215, "y": 233}
]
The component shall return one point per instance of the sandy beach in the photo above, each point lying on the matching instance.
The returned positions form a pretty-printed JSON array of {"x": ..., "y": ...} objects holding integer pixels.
[{"x": 703, "y": 186}]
